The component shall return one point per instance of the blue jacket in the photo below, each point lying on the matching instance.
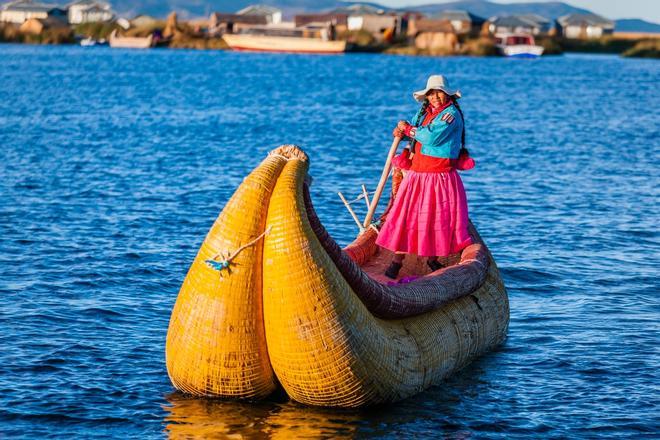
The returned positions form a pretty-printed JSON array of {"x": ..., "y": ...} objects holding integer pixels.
[{"x": 442, "y": 137}]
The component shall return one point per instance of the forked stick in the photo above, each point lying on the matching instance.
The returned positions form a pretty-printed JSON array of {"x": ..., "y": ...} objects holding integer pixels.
[
  {"x": 348, "y": 206},
  {"x": 381, "y": 184},
  {"x": 365, "y": 194}
]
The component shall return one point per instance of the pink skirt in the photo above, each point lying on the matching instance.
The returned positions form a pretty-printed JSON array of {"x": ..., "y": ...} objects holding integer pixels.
[{"x": 429, "y": 216}]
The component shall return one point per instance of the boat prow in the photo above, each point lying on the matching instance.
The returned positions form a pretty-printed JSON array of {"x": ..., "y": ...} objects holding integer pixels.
[{"x": 271, "y": 300}]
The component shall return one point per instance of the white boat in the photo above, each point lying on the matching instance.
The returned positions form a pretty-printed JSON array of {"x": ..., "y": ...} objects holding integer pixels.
[
  {"x": 268, "y": 39},
  {"x": 90, "y": 42},
  {"x": 87, "y": 42},
  {"x": 117, "y": 41},
  {"x": 518, "y": 45}
]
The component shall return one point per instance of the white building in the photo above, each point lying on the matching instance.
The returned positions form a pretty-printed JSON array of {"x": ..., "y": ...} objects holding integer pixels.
[
  {"x": 585, "y": 26},
  {"x": 463, "y": 22},
  {"x": 89, "y": 11},
  {"x": 371, "y": 23},
  {"x": 21, "y": 10},
  {"x": 272, "y": 15},
  {"x": 367, "y": 18}
]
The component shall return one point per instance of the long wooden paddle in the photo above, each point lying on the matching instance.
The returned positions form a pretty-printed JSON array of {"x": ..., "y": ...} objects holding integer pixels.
[{"x": 381, "y": 184}]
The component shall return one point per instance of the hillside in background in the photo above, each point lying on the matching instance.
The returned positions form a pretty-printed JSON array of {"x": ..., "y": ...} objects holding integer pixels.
[
  {"x": 482, "y": 8},
  {"x": 196, "y": 8},
  {"x": 636, "y": 25},
  {"x": 202, "y": 8},
  {"x": 488, "y": 9}
]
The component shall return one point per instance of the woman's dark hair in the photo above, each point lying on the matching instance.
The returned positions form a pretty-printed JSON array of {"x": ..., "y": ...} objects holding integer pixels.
[
  {"x": 418, "y": 120},
  {"x": 420, "y": 114},
  {"x": 458, "y": 107}
]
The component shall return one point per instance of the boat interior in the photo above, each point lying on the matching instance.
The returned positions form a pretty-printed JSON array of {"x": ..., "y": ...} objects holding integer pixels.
[
  {"x": 413, "y": 266},
  {"x": 417, "y": 289}
]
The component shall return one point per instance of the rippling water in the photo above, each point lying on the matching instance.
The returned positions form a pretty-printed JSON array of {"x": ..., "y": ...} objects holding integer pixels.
[{"x": 115, "y": 164}]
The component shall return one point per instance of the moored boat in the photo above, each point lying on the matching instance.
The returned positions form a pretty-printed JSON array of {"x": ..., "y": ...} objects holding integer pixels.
[
  {"x": 91, "y": 42},
  {"x": 268, "y": 39},
  {"x": 518, "y": 45},
  {"x": 272, "y": 301},
  {"x": 88, "y": 42},
  {"x": 117, "y": 41}
]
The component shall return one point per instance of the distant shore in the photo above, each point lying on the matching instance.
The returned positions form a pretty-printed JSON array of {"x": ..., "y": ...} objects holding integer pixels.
[{"x": 185, "y": 36}]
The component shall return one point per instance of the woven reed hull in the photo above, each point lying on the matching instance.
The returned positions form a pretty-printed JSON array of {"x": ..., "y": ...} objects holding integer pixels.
[
  {"x": 310, "y": 315},
  {"x": 216, "y": 344},
  {"x": 328, "y": 349}
]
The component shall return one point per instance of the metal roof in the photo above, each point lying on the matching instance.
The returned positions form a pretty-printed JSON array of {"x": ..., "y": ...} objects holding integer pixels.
[
  {"x": 514, "y": 21},
  {"x": 235, "y": 18},
  {"x": 535, "y": 18},
  {"x": 358, "y": 9},
  {"x": 27, "y": 5},
  {"x": 97, "y": 8},
  {"x": 585, "y": 19},
  {"x": 90, "y": 3},
  {"x": 258, "y": 10},
  {"x": 452, "y": 15}
]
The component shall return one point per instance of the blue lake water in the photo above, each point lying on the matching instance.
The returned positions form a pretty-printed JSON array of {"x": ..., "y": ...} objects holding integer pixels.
[{"x": 114, "y": 164}]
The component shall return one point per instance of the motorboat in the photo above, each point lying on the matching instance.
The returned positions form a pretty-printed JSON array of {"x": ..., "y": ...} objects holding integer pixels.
[{"x": 518, "y": 45}]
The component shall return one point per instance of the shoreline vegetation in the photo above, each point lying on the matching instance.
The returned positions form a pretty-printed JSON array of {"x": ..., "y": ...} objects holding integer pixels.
[{"x": 182, "y": 35}]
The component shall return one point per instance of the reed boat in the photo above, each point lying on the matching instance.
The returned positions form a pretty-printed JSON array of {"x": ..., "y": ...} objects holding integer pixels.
[
  {"x": 120, "y": 42},
  {"x": 272, "y": 302},
  {"x": 268, "y": 39}
]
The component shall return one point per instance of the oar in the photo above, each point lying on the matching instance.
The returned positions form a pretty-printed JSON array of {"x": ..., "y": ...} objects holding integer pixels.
[{"x": 381, "y": 184}]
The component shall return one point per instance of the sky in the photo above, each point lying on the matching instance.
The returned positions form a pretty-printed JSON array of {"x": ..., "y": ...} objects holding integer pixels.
[{"x": 614, "y": 9}]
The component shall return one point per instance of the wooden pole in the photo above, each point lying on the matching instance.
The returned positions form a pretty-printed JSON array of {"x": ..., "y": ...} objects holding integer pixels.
[
  {"x": 381, "y": 184},
  {"x": 343, "y": 199},
  {"x": 365, "y": 194}
]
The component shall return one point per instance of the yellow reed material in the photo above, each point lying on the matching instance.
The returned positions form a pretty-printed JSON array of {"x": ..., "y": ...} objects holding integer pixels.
[
  {"x": 215, "y": 343},
  {"x": 327, "y": 349}
]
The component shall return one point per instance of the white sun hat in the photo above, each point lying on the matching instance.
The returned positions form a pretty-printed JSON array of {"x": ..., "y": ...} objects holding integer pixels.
[{"x": 436, "y": 82}]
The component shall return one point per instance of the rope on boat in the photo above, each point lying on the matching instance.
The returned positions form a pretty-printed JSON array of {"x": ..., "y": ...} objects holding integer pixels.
[
  {"x": 360, "y": 197},
  {"x": 225, "y": 263},
  {"x": 364, "y": 196}
]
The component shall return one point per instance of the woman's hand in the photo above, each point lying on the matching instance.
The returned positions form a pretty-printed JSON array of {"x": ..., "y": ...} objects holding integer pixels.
[
  {"x": 407, "y": 129},
  {"x": 402, "y": 130}
]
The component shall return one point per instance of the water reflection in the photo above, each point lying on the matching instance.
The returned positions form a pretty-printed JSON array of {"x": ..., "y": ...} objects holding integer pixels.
[
  {"x": 439, "y": 412},
  {"x": 191, "y": 418}
]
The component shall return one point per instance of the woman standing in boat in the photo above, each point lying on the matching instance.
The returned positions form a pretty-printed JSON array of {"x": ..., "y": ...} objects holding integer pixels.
[{"x": 429, "y": 216}]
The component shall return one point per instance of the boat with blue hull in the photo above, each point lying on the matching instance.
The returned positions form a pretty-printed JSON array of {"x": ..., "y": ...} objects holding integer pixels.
[{"x": 517, "y": 46}]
